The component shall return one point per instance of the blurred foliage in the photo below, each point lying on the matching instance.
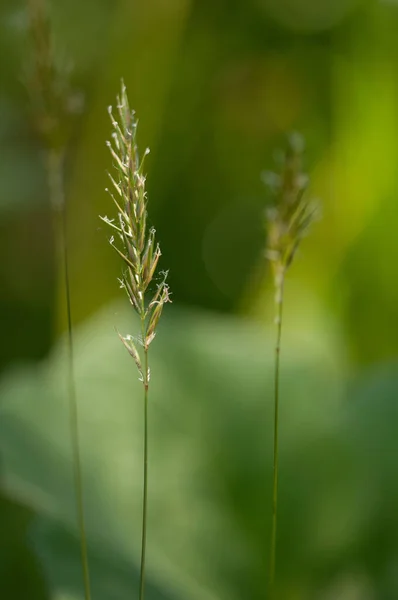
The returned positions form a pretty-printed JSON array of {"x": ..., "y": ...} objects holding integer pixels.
[
  {"x": 210, "y": 463},
  {"x": 210, "y": 457},
  {"x": 216, "y": 85},
  {"x": 16, "y": 556}
]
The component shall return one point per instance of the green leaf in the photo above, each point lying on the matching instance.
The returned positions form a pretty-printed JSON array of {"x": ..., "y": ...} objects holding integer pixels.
[{"x": 210, "y": 428}]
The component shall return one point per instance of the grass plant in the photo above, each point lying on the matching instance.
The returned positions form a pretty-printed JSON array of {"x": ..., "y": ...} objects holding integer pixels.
[
  {"x": 287, "y": 222},
  {"x": 135, "y": 244},
  {"x": 52, "y": 104}
]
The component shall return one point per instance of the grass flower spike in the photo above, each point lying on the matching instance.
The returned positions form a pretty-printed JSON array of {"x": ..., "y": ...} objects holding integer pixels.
[
  {"x": 135, "y": 243},
  {"x": 54, "y": 102},
  {"x": 291, "y": 214},
  {"x": 287, "y": 222}
]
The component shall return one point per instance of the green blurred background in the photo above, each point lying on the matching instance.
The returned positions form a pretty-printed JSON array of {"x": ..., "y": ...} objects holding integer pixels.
[{"x": 216, "y": 84}]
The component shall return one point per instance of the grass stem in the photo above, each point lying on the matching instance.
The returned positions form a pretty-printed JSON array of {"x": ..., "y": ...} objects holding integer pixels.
[
  {"x": 279, "y": 314},
  {"x": 145, "y": 486},
  {"x": 56, "y": 187}
]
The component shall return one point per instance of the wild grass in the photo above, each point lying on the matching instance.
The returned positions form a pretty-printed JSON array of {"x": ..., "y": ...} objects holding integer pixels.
[
  {"x": 135, "y": 244},
  {"x": 287, "y": 222},
  {"x": 50, "y": 94}
]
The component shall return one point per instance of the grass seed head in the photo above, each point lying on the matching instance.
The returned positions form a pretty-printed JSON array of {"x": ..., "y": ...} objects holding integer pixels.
[
  {"x": 53, "y": 101},
  {"x": 291, "y": 214},
  {"x": 132, "y": 239}
]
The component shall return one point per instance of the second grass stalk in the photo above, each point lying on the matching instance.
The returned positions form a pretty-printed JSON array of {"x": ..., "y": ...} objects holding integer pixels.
[
  {"x": 287, "y": 221},
  {"x": 278, "y": 320}
]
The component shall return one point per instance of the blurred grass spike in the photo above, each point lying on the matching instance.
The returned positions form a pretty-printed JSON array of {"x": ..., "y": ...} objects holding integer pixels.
[
  {"x": 53, "y": 100},
  {"x": 291, "y": 214},
  {"x": 52, "y": 103},
  {"x": 288, "y": 220},
  {"x": 135, "y": 243}
]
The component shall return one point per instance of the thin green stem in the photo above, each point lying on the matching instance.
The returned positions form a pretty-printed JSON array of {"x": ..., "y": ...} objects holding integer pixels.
[
  {"x": 279, "y": 312},
  {"x": 145, "y": 492},
  {"x": 55, "y": 178}
]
